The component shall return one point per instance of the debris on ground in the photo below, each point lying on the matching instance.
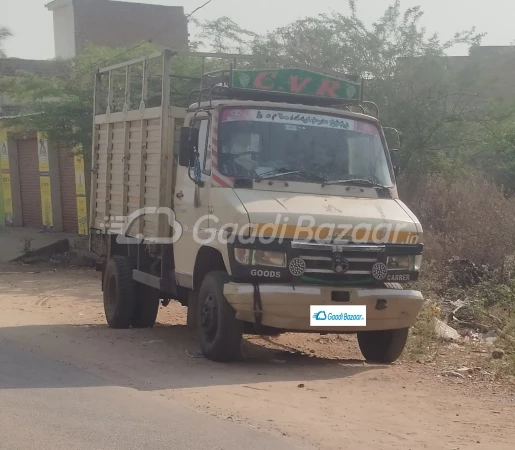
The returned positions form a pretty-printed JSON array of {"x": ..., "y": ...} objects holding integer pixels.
[
  {"x": 197, "y": 354},
  {"x": 498, "y": 353},
  {"x": 469, "y": 370},
  {"x": 465, "y": 273},
  {"x": 289, "y": 354},
  {"x": 489, "y": 338},
  {"x": 492, "y": 334},
  {"x": 446, "y": 332},
  {"x": 453, "y": 373},
  {"x": 324, "y": 340}
]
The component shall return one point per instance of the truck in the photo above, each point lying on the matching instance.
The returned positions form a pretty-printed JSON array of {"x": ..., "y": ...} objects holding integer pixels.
[{"x": 266, "y": 205}]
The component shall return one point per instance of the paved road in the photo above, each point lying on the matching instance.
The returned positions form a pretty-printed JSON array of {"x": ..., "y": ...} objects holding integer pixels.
[{"x": 45, "y": 404}]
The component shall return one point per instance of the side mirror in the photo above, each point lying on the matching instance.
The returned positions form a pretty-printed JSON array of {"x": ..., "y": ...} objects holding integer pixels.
[
  {"x": 393, "y": 140},
  {"x": 188, "y": 145},
  {"x": 396, "y": 160},
  {"x": 393, "y": 137}
]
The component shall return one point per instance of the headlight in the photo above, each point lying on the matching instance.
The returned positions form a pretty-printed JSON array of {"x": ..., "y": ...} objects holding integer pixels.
[
  {"x": 405, "y": 262},
  {"x": 266, "y": 258},
  {"x": 259, "y": 257}
]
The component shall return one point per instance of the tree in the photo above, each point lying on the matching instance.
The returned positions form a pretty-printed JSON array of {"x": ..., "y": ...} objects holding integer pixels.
[
  {"x": 62, "y": 107},
  {"x": 4, "y": 34},
  {"x": 223, "y": 35},
  {"x": 443, "y": 120},
  {"x": 344, "y": 43},
  {"x": 404, "y": 68}
]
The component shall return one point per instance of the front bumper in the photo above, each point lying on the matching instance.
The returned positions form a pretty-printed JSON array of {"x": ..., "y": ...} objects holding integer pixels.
[{"x": 288, "y": 308}]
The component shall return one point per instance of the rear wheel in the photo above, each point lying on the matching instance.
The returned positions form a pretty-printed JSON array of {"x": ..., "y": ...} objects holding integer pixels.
[
  {"x": 146, "y": 307},
  {"x": 119, "y": 292},
  {"x": 219, "y": 331},
  {"x": 382, "y": 346}
]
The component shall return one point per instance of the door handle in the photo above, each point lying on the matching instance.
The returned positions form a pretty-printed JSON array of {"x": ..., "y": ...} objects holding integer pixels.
[{"x": 180, "y": 195}]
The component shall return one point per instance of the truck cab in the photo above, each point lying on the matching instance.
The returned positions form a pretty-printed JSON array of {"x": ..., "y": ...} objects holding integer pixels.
[{"x": 282, "y": 214}]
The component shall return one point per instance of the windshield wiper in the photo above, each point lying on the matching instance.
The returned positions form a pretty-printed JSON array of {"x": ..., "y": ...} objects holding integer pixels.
[
  {"x": 284, "y": 171},
  {"x": 356, "y": 182}
]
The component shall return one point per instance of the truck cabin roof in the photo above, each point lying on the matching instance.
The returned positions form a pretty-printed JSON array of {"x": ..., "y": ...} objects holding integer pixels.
[{"x": 207, "y": 105}]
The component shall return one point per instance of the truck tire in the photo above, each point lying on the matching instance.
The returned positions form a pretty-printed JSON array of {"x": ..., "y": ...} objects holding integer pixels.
[
  {"x": 119, "y": 292},
  {"x": 382, "y": 346},
  {"x": 219, "y": 331},
  {"x": 146, "y": 307}
]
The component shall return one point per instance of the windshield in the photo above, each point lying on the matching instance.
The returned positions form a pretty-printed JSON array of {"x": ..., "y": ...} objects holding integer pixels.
[{"x": 255, "y": 142}]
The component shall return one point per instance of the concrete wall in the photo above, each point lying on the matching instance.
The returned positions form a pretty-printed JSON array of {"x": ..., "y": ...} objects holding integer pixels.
[
  {"x": 115, "y": 24},
  {"x": 64, "y": 31},
  {"x": 487, "y": 71},
  {"x": 495, "y": 68}
]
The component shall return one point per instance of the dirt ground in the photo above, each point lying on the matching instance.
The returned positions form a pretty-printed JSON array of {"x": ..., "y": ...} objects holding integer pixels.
[{"x": 313, "y": 389}]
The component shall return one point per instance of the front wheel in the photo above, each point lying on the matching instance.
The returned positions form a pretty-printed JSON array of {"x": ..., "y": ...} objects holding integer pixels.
[
  {"x": 383, "y": 346},
  {"x": 219, "y": 331}
]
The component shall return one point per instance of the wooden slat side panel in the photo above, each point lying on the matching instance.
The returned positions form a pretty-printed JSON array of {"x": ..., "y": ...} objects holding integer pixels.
[
  {"x": 152, "y": 173},
  {"x": 130, "y": 167},
  {"x": 134, "y": 168},
  {"x": 116, "y": 173}
]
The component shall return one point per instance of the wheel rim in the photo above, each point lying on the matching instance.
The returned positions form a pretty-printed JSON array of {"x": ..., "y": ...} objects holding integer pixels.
[
  {"x": 111, "y": 294},
  {"x": 209, "y": 317}
]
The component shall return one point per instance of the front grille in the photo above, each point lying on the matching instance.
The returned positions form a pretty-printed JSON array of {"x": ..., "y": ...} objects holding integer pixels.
[{"x": 320, "y": 258}]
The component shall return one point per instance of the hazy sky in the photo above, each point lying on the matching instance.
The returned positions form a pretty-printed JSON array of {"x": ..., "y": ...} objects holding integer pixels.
[{"x": 31, "y": 22}]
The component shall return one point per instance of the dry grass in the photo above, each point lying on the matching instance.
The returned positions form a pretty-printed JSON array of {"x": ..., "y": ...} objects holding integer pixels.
[
  {"x": 467, "y": 218},
  {"x": 423, "y": 341}
]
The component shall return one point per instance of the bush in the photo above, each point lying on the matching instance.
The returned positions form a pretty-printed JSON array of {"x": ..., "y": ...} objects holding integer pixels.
[
  {"x": 469, "y": 264},
  {"x": 466, "y": 217}
]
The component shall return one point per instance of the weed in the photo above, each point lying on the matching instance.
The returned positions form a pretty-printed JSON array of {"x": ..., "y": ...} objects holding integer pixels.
[
  {"x": 27, "y": 245},
  {"x": 423, "y": 339}
]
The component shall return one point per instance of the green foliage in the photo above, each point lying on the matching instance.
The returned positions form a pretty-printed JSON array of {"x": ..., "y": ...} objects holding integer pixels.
[
  {"x": 406, "y": 75},
  {"x": 495, "y": 294},
  {"x": 223, "y": 35},
  {"x": 344, "y": 43},
  {"x": 445, "y": 124},
  {"x": 62, "y": 107},
  {"x": 422, "y": 336},
  {"x": 4, "y": 34},
  {"x": 498, "y": 155}
]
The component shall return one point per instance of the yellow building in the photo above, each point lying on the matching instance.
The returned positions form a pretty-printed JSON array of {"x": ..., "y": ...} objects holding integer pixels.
[{"x": 43, "y": 184}]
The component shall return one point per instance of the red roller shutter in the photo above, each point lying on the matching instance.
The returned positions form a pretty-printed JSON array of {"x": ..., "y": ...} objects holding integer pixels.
[
  {"x": 68, "y": 194},
  {"x": 29, "y": 183}
]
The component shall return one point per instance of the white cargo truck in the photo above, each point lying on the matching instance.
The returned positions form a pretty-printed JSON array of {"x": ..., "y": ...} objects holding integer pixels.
[{"x": 268, "y": 205}]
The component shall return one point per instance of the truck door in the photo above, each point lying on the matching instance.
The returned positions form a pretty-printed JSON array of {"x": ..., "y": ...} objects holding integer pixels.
[{"x": 191, "y": 204}]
